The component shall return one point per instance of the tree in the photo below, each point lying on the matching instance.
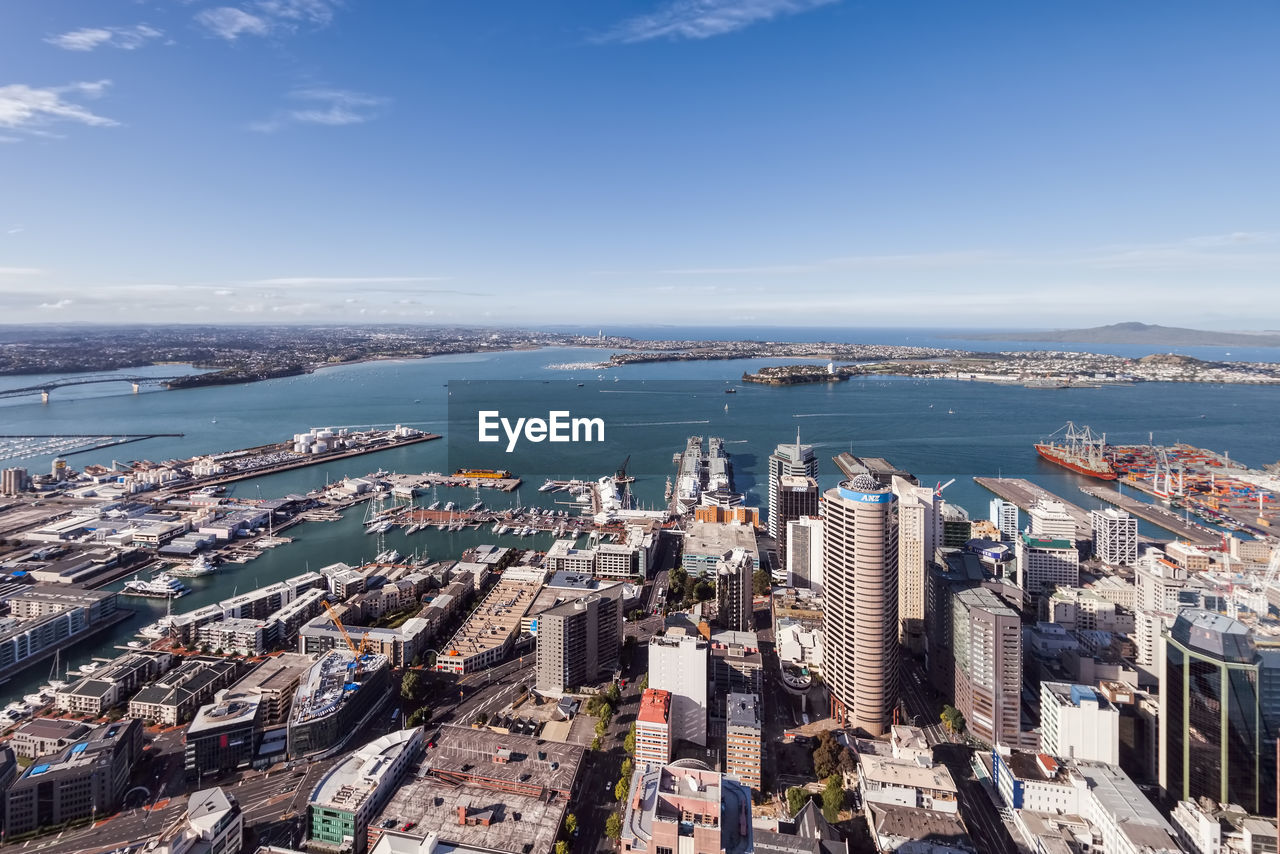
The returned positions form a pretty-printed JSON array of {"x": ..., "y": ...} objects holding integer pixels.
[
  {"x": 629, "y": 743},
  {"x": 602, "y": 728},
  {"x": 627, "y": 767},
  {"x": 832, "y": 799},
  {"x": 952, "y": 719},
  {"x": 410, "y": 685},
  {"x": 704, "y": 590},
  {"x": 571, "y": 824},
  {"x": 826, "y": 755},
  {"x": 419, "y": 717},
  {"x": 613, "y": 694},
  {"x": 417, "y": 661},
  {"x": 796, "y": 799},
  {"x": 761, "y": 582},
  {"x": 482, "y": 719},
  {"x": 562, "y": 847},
  {"x": 644, "y": 682},
  {"x": 595, "y": 743},
  {"x": 613, "y": 826},
  {"x": 620, "y": 790}
]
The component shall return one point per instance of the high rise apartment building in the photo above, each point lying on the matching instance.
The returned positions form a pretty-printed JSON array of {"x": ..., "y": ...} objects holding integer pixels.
[{"x": 919, "y": 535}]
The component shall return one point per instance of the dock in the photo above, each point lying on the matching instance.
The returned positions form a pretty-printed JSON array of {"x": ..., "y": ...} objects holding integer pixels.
[
  {"x": 1026, "y": 494},
  {"x": 1166, "y": 519}
]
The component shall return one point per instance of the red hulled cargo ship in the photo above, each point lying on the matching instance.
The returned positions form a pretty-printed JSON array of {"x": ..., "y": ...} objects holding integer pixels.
[{"x": 1078, "y": 450}]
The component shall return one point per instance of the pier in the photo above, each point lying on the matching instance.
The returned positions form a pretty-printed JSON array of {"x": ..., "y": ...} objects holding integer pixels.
[
  {"x": 1166, "y": 519},
  {"x": 1026, "y": 494}
]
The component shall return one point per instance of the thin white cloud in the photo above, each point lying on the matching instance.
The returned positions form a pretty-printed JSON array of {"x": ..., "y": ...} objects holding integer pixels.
[
  {"x": 331, "y": 107},
  {"x": 227, "y": 22},
  {"x": 318, "y": 12},
  {"x": 311, "y": 281},
  {"x": 922, "y": 260},
  {"x": 62, "y": 303},
  {"x": 704, "y": 19},
  {"x": 15, "y": 229},
  {"x": 30, "y": 109},
  {"x": 1239, "y": 250},
  {"x": 22, "y": 271},
  {"x": 89, "y": 38}
]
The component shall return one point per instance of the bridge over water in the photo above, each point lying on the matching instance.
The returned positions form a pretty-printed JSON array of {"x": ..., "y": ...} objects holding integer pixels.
[{"x": 46, "y": 389}]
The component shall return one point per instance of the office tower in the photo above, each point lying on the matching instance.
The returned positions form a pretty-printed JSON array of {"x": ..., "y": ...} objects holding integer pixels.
[
  {"x": 860, "y": 583},
  {"x": 1044, "y": 563},
  {"x": 797, "y": 497},
  {"x": 957, "y": 527},
  {"x": 788, "y": 460},
  {"x": 1077, "y": 722},
  {"x": 804, "y": 553},
  {"x": 1004, "y": 515},
  {"x": 742, "y": 749},
  {"x": 1219, "y": 708},
  {"x": 987, "y": 645},
  {"x": 679, "y": 664},
  {"x": 734, "y": 591},
  {"x": 919, "y": 535},
  {"x": 653, "y": 727},
  {"x": 1115, "y": 536},
  {"x": 579, "y": 640},
  {"x": 1050, "y": 520}
]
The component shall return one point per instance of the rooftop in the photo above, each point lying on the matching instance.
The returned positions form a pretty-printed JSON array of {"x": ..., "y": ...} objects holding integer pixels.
[
  {"x": 894, "y": 773},
  {"x": 719, "y": 538},
  {"x": 327, "y": 683},
  {"x": 277, "y": 673},
  {"x": 231, "y": 709},
  {"x": 655, "y": 706},
  {"x": 743, "y": 710},
  {"x": 359, "y": 775}
]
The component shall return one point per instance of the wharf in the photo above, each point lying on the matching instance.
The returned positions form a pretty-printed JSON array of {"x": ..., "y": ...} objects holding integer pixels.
[
  {"x": 429, "y": 479},
  {"x": 1026, "y": 494},
  {"x": 1166, "y": 519}
]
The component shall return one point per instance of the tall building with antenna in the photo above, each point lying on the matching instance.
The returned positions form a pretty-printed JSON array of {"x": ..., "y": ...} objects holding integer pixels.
[{"x": 787, "y": 461}]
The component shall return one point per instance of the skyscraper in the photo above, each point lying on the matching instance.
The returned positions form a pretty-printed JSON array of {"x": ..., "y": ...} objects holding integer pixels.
[
  {"x": 919, "y": 535},
  {"x": 734, "y": 591},
  {"x": 1115, "y": 536},
  {"x": 579, "y": 640},
  {"x": 860, "y": 582},
  {"x": 679, "y": 664},
  {"x": 1219, "y": 708},
  {"x": 795, "y": 460},
  {"x": 797, "y": 498},
  {"x": 987, "y": 644},
  {"x": 1004, "y": 515},
  {"x": 804, "y": 553}
]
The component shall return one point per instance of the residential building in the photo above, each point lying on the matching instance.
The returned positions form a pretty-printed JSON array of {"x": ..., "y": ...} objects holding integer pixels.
[
  {"x": 579, "y": 641},
  {"x": 213, "y": 824},
  {"x": 654, "y": 741},
  {"x": 1115, "y": 536},
  {"x": 1004, "y": 515},
  {"x": 1078, "y": 722},
  {"x": 1219, "y": 712},
  {"x": 174, "y": 698},
  {"x": 86, "y": 779},
  {"x": 680, "y": 664},
  {"x": 919, "y": 535},
  {"x": 688, "y": 810},
  {"x": 734, "y": 591},
  {"x": 860, "y": 585},
  {"x": 743, "y": 748},
  {"x": 987, "y": 645},
  {"x": 1080, "y": 608},
  {"x": 790, "y": 461},
  {"x": 1207, "y": 828},
  {"x": 42, "y": 736}
]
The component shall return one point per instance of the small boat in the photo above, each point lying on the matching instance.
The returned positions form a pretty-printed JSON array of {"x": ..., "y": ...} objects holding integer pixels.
[
  {"x": 474, "y": 507},
  {"x": 731, "y": 391},
  {"x": 450, "y": 506},
  {"x": 434, "y": 505},
  {"x": 549, "y": 486}
]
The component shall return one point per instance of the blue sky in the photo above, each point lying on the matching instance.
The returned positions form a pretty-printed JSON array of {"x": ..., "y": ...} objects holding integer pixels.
[{"x": 790, "y": 162}]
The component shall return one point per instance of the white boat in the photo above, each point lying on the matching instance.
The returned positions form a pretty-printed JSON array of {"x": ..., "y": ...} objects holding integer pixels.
[
  {"x": 474, "y": 507},
  {"x": 197, "y": 568},
  {"x": 434, "y": 505},
  {"x": 549, "y": 486},
  {"x": 163, "y": 586},
  {"x": 86, "y": 669},
  {"x": 37, "y": 701},
  {"x": 450, "y": 506}
]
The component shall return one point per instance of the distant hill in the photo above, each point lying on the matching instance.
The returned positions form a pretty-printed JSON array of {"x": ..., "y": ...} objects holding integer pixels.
[{"x": 1142, "y": 333}]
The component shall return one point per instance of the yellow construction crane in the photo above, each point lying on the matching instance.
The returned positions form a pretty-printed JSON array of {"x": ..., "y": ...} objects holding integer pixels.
[{"x": 333, "y": 615}]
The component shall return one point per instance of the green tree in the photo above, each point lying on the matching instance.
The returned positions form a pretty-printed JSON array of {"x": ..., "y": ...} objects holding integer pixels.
[
  {"x": 627, "y": 767},
  {"x": 482, "y": 719},
  {"x": 595, "y": 743},
  {"x": 571, "y": 824},
  {"x": 832, "y": 799},
  {"x": 761, "y": 582},
  {"x": 796, "y": 799},
  {"x": 602, "y": 728},
  {"x": 629, "y": 743},
  {"x": 826, "y": 755},
  {"x": 613, "y": 826},
  {"x": 417, "y": 661},
  {"x": 562, "y": 847},
  {"x": 613, "y": 694},
  {"x": 644, "y": 682},
  {"x": 620, "y": 790},
  {"x": 703, "y": 590},
  {"x": 410, "y": 685},
  {"x": 952, "y": 719},
  {"x": 419, "y": 717}
]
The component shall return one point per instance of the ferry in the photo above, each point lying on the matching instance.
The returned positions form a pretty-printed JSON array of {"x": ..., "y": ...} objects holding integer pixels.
[{"x": 163, "y": 586}]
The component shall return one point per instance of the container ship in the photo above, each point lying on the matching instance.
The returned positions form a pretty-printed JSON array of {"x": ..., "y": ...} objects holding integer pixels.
[{"x": 1079, "y": 450}]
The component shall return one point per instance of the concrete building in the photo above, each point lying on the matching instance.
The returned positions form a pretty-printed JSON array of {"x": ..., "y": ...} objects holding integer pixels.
[
  {"x": 787, "y": 461},
  {"x": 1219, "y": 712},
  {"x": 1080, "y": 608},
  {"x": 687, "y": 810},
  {"x": 213, "y": 824},
  {"x": 654, "y": 740},
  {"x": 14, "y": 481},
  {"x": 1051, "y": 521},
  {"x": 987, "y": 644},
  {"x": 579, "y": 641},
  {"x": 1078, "y": 722},
  {"x": 86, "y": 779},
  {"x": 680, "y": 664},
  {"x": 338, "y": 692},
  {"x": 42, "y": 736},
  {"x": 489, "y": 632},
  {"x": 734, "y": 591},
  {"x": 1205, "y": 828},
  {"x": 743, "y": 747},
  {"x": 797, "y": 498},
  {"x": 1004, "y": 515},
  {"x": 357, "y": 788},
  {"x": 222, "y": 737},
  {"x": 1115, "y": 536},
  {"x": 705, "y": 543},
  {"x": 804, "y": 553},
  {"x": 919, "y": 535},
  {"x": 860, "y": 585},
  {"x": 1044, "y": 563}
]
